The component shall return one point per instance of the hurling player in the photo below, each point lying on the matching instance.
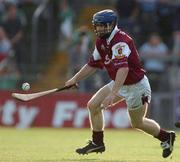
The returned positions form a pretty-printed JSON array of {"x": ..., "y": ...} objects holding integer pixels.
[{"x": 116, "y": 52}]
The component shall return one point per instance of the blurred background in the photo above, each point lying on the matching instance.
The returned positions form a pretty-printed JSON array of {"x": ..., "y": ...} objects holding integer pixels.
[{"x": 45, "y": 42}]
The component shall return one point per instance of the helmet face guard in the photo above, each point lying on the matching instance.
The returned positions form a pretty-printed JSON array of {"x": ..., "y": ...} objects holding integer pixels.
[{"x": 104, "y": 22}]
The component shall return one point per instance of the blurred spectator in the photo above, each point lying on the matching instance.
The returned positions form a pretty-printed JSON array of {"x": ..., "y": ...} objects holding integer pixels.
[
  {"x": 20, "y": 1},
  {"x": 8, "y": 71},
  {"x": 153, "y": 52},
  {"x": 81, "y": 45},
  {"x": 176, "y": 32},
  {"x": 1, "y": 9},
  {"x": 174, "y": 73},
  {"x": 153, "y": 49},
  {"x": 9, "y": 74},
  {"x": 176, "y": 43},
  {"x": 28, "y": 7},
  {"x": 14, "y": 29},
  {"x": 165, "y": 13},
  {"x": 5, "y": 44},
  {"x": 148, "y": 18},
  {"x": 37, "y": 2},
  {"x": 148, "y": 6},
  {"x": 128, "y": 11},
  {"x": 66, "y": 23}
]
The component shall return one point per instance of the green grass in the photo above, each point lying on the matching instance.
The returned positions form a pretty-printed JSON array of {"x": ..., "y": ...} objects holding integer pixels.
[{"x": 58, "y": 145}]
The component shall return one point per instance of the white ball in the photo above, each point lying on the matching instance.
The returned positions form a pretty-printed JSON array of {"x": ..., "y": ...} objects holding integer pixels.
[{"x": 26, "y": 86}]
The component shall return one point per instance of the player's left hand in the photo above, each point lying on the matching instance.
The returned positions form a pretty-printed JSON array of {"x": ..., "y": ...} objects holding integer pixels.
[{"x": 108, "y": 101}]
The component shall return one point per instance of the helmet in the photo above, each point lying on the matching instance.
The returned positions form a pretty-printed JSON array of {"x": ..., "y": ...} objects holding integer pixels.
[{"x": 104, "y": 22}]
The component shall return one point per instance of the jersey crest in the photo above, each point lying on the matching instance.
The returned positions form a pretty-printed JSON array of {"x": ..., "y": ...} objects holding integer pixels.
[{"x": 119, "y": 52}]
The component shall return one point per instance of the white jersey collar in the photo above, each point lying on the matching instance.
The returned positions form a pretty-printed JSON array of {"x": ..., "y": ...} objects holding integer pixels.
[{"x": 115, "y": 30}]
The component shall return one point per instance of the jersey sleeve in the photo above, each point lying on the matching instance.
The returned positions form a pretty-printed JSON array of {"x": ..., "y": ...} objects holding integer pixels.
[
  {"x": 95, "y": 60},
  {"x": 120, "y": 54}
]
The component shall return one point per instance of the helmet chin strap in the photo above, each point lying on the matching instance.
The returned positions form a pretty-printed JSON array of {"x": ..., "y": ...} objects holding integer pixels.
[
  {"x": 109, "y": 29},
  {"x": 105, "y": 36}
]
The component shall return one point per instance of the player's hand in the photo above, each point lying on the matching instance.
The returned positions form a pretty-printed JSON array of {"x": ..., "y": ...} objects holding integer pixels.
[
  {"x": 71, "y": 82},
  {"x": 108, "y": 101}
]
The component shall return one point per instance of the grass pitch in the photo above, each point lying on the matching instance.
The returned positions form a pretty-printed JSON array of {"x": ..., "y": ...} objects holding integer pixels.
[{"x": 58, "y": 145}]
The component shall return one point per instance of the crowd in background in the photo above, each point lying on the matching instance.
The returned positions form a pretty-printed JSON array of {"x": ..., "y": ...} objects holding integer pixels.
[
  {"x": 14, "y": 25},
  {"x": 155, "y": 27},
  {"x": 153, "y": 24}
]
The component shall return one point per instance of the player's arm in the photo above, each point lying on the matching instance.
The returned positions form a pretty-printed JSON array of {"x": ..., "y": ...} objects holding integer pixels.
[
  {"x": 120, "y": 79},
  {"x": 84, "y": 72},
  {"x": 121, "y": 52}
]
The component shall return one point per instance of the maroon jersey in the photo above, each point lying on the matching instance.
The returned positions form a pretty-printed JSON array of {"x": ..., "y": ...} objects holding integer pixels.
[{"x": 116, "y": 52}]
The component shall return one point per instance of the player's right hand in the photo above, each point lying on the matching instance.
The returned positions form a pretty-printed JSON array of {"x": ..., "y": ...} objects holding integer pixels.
[{"x": 71, "y": 82}]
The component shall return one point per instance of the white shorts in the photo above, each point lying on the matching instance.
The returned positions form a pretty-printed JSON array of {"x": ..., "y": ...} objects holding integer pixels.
[{"x": 135, "y": 94}]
